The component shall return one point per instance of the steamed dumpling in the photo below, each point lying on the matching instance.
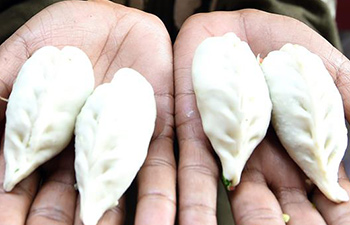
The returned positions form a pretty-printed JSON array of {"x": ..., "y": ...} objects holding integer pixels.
[
  {"x": 308, "y": 115},
  {"x": 113, "y": 132},
  {"x": 47, "y": 95},
  {"x": 233, "y": 101}
]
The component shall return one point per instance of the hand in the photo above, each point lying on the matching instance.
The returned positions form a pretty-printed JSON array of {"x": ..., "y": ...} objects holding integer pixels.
[
  {"x": 272, "y": 184},
  {"x": 113, "y": 37}
]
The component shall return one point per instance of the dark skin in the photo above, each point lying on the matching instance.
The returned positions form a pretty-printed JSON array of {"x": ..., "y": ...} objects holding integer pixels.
[
  {"x": 271, "y": 183},
  {"x": 110, "y": 35}
]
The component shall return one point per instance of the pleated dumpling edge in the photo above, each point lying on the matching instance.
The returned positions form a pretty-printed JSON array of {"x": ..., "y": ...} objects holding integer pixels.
[
  {"x": 308, "y": 115},
  {"x": 113, "y": 133},
  {"x": 46, "y": 97},
  {"x": 233, "y": 101}
]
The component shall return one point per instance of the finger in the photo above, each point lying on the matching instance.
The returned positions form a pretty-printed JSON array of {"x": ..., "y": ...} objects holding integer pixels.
[
  {"x": 14, "y": 205},
  {"x": 156, "y": 203},
  {"x": 288, "y": 183},
  {"x": 198, "y": 169},
  {"x": 115, "y": 216},
  {"x": 334, "y": 213},
  {"x": 295, "y": 204},
  {"x": 55, "y": 202},
  {"x": 253, "y": 202},
  {"x": 197, "y": 176}
]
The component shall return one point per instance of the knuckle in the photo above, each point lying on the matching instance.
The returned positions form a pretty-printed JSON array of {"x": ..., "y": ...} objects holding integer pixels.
[
  {"x": 291, "y": 196},
  {"x": 159, "y": 162},
  {"x": 259, "y": 216},
  {"x": 51, "y": 213},
  {"x": 198, "y": 208},
  {"x": 118, "y": 210},
  {"x": 158, "y": 195},
  {"x": 191, "y": 130},
  {"x": 198, "y": 169},
  {"x": 164, "y": 128}
]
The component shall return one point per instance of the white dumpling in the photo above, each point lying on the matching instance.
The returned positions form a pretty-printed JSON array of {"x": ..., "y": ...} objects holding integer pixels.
[
  {"x": 308, "y": 115},
  {"x": 47, "y": 95},
  {"x": 233, "y": 101},
  {"x": 113, "y": 132}
]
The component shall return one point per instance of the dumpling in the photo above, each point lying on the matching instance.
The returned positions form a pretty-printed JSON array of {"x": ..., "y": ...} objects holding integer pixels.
[
  {"x": 113, "y": 132},
  {"x": 47, "y": 95},
  {"x": 233, "y": 101},
  {"x": 308, "y": 115}
]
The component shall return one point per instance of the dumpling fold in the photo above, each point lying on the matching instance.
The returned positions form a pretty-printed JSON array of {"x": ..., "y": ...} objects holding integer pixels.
[
  {"x": 233, "y": 101},
  {"x": 308, "y": 115},
  {"x": 113, "y": 133},
  {"x": 46, "y": 97}
]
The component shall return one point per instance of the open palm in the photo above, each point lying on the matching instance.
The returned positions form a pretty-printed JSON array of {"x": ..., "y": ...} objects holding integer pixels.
[
  {"x": 113, "y": 37},
  {"x": 271, "y": 182}
]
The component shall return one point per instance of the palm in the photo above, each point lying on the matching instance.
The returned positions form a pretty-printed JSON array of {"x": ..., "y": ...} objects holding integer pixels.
[
  {"x": 270, "y": 178},
  {"x": 113, "y": 37}
]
